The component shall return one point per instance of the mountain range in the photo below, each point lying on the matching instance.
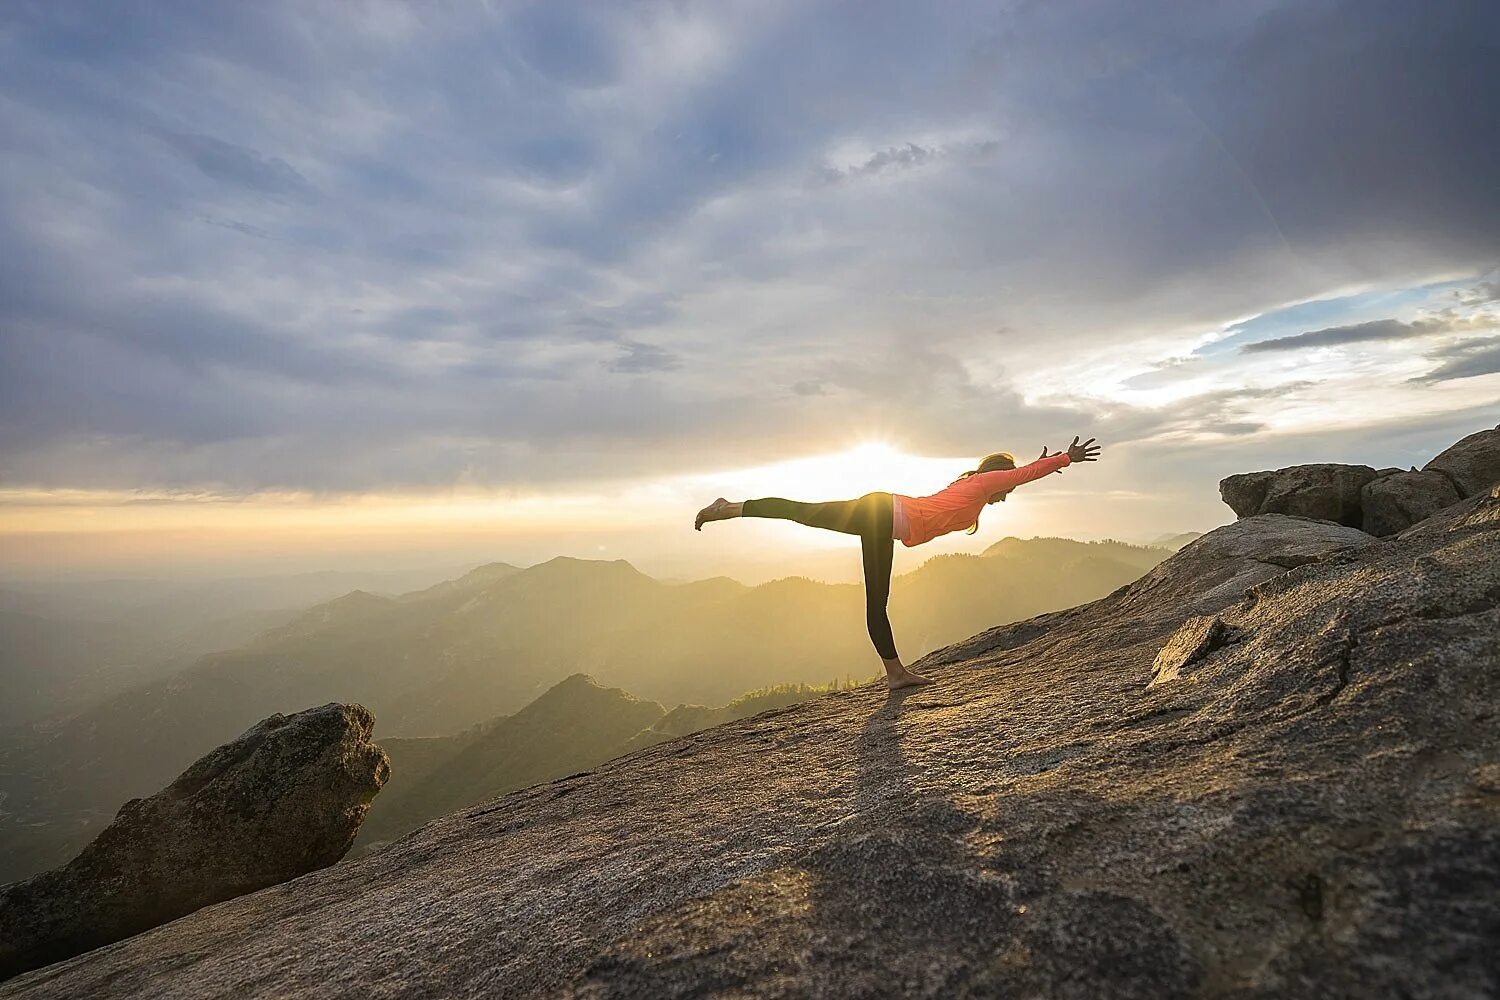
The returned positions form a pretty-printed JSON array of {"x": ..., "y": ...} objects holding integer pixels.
[{"x": 456, "y": 655}]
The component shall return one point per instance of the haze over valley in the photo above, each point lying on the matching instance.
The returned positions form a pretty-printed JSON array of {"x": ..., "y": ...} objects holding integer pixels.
[{"x": 460, "y": 653}]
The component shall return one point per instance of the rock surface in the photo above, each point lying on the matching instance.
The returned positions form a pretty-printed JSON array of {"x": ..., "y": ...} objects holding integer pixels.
[
  {"x": 1309, "y": 810},
  {"x": 1472, "y": 464},
  {"x": 1196, "y": 639},
  {"x": 1325, "y": 492},
  {"x": 284, "y": 799},
  {"x": 1381, "y": 502},
  {"x": 1395, "y": 502}
]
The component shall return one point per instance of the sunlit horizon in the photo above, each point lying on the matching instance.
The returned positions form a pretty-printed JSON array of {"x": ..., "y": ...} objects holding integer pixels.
[{"x": 73, "y": 532}]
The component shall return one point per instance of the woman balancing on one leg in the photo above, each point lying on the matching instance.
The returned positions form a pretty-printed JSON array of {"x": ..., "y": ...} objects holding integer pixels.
[{"x": 879, "y": 518}]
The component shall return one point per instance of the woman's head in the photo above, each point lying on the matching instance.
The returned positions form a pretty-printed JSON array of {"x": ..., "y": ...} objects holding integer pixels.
[{"x": 997, "y": 461}]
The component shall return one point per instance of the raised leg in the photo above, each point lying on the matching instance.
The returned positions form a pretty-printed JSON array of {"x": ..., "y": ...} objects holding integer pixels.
[{"x": 844, "y": 516}]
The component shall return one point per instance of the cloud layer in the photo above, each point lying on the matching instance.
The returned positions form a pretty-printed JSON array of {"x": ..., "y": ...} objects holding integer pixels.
[{"x": 320, "y": 247}]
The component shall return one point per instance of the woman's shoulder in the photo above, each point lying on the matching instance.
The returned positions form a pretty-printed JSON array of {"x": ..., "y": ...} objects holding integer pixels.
[{"x": 960, "y": 488}]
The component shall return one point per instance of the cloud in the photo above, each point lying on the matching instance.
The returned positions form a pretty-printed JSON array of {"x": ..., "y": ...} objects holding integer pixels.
[
  {"x": 1223, "y": 412},
  {"x": 224, "y": 161},
  {"x": 1481, "y": 294},
  {"x": 907, "y": 156},
  {"x": 1448, "y": 320},
  {"x": 1239, "y": 427},
  {"x": 469, "y": 222},
  {"x": 1380, "y": 329},
  {"x": 1465, "y": 359},
  {"x": 238, "y": 227},
  {"x": 638, "y": 358}
]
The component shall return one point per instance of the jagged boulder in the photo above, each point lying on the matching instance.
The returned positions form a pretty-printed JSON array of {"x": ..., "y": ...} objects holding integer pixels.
[
  {"x": 1473, "y": 464},
  {"x": 1395, "y": 502},
  {"x": 285, "y": 798},
  {"x": 1325, "y": 492}
]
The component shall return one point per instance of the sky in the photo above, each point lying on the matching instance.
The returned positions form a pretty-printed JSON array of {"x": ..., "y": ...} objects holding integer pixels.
[{"x": 294, "y": 285}]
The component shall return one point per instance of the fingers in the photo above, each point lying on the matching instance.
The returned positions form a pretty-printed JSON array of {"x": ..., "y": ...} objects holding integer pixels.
[{"x": 1086, "y": 452}]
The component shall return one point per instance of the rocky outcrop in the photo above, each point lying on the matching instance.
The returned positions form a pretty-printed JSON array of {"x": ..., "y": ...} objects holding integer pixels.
[
  {"x": 1382, "y": 502},
  {"x": 1191, "y": 643},
  {"x": 1395, "y": 502},
  {"x": 284, "y": 799},
  {"x": 1325, "y": 492},
  {"x": 1472, "y": 464},
  {"x": 1305, "y": 804}
]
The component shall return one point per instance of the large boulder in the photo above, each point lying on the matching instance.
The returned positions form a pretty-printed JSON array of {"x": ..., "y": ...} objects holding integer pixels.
[
  {"x": 1473, "y": 464},
  {"x": 284, "y": 799},
  {"x": 1325, "y": 492},
  {"x": 1393, "y": 503}
]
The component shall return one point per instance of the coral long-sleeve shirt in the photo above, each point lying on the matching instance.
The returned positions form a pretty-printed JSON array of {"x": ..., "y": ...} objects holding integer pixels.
[{"x": 958, "y": 506}]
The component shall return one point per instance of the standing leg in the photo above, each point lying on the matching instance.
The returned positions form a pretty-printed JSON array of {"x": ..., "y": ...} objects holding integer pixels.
[{"x": 878, "y": 548}]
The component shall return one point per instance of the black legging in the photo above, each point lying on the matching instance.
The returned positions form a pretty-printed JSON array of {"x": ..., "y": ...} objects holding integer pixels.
[{"x": 869, "y": 517}]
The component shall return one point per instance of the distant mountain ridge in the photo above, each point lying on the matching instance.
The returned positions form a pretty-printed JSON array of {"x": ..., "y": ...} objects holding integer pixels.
[
  {"x": 441, "y": 660},
  {"x": 68, "y": 644}
]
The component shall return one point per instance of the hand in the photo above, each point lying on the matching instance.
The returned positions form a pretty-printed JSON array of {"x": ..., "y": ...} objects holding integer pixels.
[
  {"x": 1086, "y": 452},
  {"x": 1045, "y": 455}
]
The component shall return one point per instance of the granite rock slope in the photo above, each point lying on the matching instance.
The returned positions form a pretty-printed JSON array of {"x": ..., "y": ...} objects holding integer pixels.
[
  {"x": 285, "y": 798},
  {"x": 1307, "y": 804}
]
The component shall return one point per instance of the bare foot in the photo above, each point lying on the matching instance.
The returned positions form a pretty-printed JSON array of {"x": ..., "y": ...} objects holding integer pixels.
[
  {"x": 713, "y": 512},
  {"x": 906, "y": 679}
]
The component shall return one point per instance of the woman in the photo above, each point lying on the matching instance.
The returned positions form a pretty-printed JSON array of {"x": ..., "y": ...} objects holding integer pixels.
[{"x": 879, "y": 518}]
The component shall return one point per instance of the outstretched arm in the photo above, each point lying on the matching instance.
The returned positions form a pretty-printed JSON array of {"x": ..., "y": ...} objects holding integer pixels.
[{"x": 1009, "y": 479}]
